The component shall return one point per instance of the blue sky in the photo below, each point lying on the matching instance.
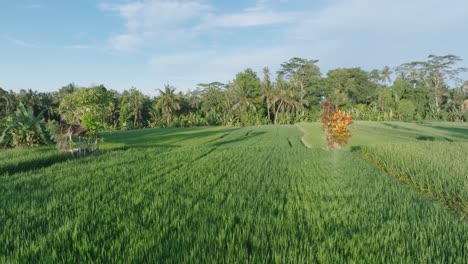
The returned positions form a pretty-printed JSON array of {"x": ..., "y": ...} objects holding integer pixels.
[{"x": 147, "y": 43}]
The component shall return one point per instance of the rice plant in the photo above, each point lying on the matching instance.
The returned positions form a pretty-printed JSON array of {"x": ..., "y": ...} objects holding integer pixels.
[{"x": 253, "y": 194}]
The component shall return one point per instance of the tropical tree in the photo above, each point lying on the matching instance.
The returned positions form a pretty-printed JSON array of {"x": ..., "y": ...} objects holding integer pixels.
[
  {"x": 244, "y": 99},
  {"x": 245, "y": 92},
  {"x": 386, "y": 75},
  {"x": 349, "y": 86},
  {"x": 168, "y": 103},
  {"x": 93, "y": 101},
  {"x": 214, "y": 99},
  {"x": 279, "y": 96},
  {"x": 195, "y": 98},
  {"x": 304, "y": 77},
  {"x": 7, "y": 103},
  {"x": 434, "y": 73},
  {"x": 267, "y": 91},
  {"x": 131, "y": 107},
  {"x": 375, "y": 76},
  {"x": 24, "y": 129}
]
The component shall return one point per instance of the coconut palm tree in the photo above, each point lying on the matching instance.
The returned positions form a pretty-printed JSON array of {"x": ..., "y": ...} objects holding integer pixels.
[
  {"x": 244, "y": 98},
  {"x": 279, "y": 96},
  {"x": 287, "y": 99},
  {"x": 134, "y": 101},
  {"x": 195, "y": 98},
  {"x": 386, "y": 74},
  {"x": 267, "y": 91},
  {"x": 168, "y": 102}
]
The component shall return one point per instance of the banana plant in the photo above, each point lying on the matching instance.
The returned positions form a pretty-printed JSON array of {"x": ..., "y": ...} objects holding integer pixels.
[{"x": 24, "y": 129}]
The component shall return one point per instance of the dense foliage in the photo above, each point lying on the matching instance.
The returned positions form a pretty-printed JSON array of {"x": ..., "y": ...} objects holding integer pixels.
[
  {"x": 24, "y": 129},
  {"x": 422, "y": 90},
  {"x": 238, "y": 195}
]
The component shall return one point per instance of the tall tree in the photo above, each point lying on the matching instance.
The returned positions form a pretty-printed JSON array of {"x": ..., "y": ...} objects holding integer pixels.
[
  {"x": 245, "y": 92},
  {"x": 375, "y": 76},
  {"x": 267, "y": 91},
  {"x": 351, "y": 85},
  {"x": 7, "y": 102},
  {"x": 132, "y": 103},
  {"x": 195, "y": 98},
  {"x": 168, "y": 102},
  {"x": 465, "y": 88},
  {"x": 214, "y": 98},
  {"x": 280, "y": 96},
  {"x": 304, "y": 76},
  {"x": 434, "y": 73},
  {"x": 386, "y": 75}
]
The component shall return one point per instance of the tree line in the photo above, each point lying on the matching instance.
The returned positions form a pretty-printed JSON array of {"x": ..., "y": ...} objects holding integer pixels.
[{"x": 414, "y": 91}]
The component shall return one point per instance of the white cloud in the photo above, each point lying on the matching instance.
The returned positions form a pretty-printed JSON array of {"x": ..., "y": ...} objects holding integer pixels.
[
  {"x": 20, "y": 42},
  {"x": 186, "y": 69},
  {"x": 387, "y": 15},
  {"x": 80, "y": 46},
  {"x": 125, "y": 42},
  {"x": 164, "y": 21},
  {"x": 371, "y": 34},
  {"x": 340, "y": 33},
  {"x": 249, "y": 18},
  {"x": 149, "y": 20}
]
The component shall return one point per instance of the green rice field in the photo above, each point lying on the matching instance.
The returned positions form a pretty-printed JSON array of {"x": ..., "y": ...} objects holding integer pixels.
[{"x": 398, "y": 193}]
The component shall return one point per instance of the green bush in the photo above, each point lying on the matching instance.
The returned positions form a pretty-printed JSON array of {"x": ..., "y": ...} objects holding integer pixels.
[
  {"x": 24, "y": 129},
  {"x": 406, "y": 110}
]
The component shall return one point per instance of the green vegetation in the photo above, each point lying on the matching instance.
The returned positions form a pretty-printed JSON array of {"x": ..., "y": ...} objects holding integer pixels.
[
  {"x": 226, "y": 194},
  {"x": 24, "y": 129},
  {"x": 419, "y": 91},
  {"x": 439, "y": 169},
  {"x": 377, "y": 133},
  {"x": 18, "y": 160}
]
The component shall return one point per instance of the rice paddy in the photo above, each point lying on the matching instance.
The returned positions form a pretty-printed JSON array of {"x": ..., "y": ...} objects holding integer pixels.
[{"x": 254, "y": 194}]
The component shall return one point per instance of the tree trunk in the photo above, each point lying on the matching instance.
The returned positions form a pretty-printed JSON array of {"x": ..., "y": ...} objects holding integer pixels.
[
  {"x": 277, "y": 110},
  {"x": 168, "y": 120},
  {"x": 268, "y": 110},
  {"x": 134, "y": 119}
]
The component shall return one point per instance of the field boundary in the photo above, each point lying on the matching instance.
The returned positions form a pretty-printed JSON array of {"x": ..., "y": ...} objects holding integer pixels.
[
  {"x": 451, "y": 201},
  {"x": 304, "y": 142}
]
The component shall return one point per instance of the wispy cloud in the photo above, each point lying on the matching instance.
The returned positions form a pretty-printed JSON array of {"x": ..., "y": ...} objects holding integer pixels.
[
  {"x": 153, "y": 20},
  {"x": 249, "y": 18},
  {"x": 162, "y": 20},
  {"x": 389, "y": 15},
  {"x": 340, "y": 33},
  {"x": 20, "y": 42},
  {"x": 33, "y": 6},
  {"x": 80, "y": 46},
  {"x": 185, "y": 69}
]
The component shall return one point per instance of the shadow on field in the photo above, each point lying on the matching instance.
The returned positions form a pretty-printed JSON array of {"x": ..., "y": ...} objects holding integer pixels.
[
  {"x": 172, "y": 137},
  {"x": 457, "y": 132},
  {"x": 35, "y": 164},
  {"x": 425, "y": 138},
  {"x": 248, "y": 136},
  {"x": 49, "y": 160},
  {"x": 449, "y": 132},
  {"x": 394, "y": 126}
]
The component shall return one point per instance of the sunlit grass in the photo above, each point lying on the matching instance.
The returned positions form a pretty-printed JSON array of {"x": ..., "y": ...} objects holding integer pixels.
[{"x": 253, "y": 194}]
